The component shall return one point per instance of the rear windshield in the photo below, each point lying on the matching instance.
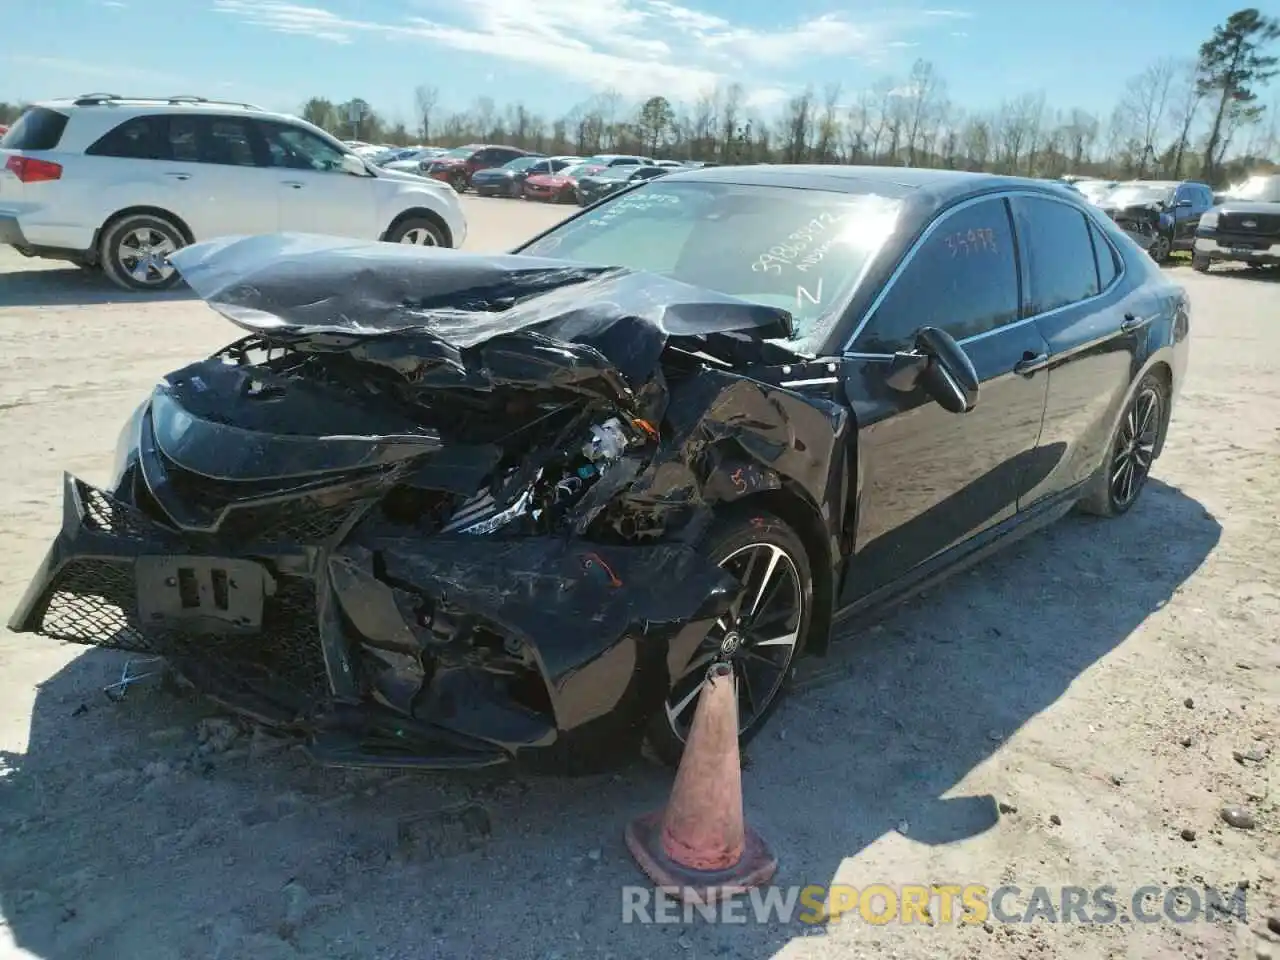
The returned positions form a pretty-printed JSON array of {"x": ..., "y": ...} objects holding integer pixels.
[{"x": 38, "y": 129}]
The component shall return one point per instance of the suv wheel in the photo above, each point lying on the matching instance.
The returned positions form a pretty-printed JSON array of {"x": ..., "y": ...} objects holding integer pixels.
[
  {"x": 417, "y": 232},
  {"x": 1200, "y": 263},
  {"x": 135, "y": 252}
]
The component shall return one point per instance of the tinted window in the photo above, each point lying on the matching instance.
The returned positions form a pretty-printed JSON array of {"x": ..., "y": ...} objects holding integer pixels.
[
  {"x": 140, "y": 138},
  {"x": 963, "y": 278},
  {"x": 1059, "y": 254},
  {"x": 1108, "y": 269},
  {"x": 184, "y": 139},
  {"x": 229, "y": 143},
  {"x": 37, "y": 129},
  {"x": 560, "y": 164},
  {"x": 297, "y": 149},
  {"x": 648, "y": 174}
]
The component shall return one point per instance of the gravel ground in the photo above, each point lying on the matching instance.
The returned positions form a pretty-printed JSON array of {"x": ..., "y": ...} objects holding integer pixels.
[{"x": 1062, "y": 715}]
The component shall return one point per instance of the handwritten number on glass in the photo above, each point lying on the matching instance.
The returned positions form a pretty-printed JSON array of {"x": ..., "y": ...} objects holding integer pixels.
[{"x": 964, "y": 243}]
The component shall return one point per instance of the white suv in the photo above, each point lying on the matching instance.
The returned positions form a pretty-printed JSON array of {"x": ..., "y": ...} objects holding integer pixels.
[{"x": 121, "y": 183}]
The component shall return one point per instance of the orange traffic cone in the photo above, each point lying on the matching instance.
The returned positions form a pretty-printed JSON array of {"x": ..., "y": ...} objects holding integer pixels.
[{"x": 700, "y": 848}]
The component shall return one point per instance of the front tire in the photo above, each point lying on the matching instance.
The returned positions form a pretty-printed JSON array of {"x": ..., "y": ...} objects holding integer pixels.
[
  {"x": 1161, "y": 249},
  {"x": 134, "y": 252},
  {"x": 1200, "y": 263},
  {"x": 417, "y": 232},
  {"x": 1123, "y": 475},
  {"x": 760, "y": 639}
]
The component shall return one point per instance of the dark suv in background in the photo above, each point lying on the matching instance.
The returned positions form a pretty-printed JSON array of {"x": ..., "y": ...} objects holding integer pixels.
[
  {"x": 1244, "y": 227},
  {"x": 457, "y": 166},
  {"x": 1161, "y": 215}
]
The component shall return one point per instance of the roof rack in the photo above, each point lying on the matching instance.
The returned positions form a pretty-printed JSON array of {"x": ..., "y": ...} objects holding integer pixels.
[{"x": 97, "y": 99}]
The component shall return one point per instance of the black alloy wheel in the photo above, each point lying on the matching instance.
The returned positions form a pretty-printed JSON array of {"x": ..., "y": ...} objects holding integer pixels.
[
  {"x": 759, "y": 636},
  {"x": 1127, "y": 468}
]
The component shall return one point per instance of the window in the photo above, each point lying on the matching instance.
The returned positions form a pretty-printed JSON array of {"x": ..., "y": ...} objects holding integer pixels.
[
  {"x": 648, "y": 174},
  {"x": 37, "y": 129},
  {"x": 963, "y": 278},
  {"x": 297, "y": 149},
  {"x": 1105, "y": 254},
  {"x": 800, "y": 250},
  {"x": 229, "y": 143},
  {"x": 184, "y": 139},
  {"x": 137, "y": 139},
  {"x": 1059, "y": 253},
  {"x": 557, "y": 165}
]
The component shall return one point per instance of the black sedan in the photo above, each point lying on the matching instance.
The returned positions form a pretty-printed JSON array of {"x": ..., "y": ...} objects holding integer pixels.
[
  {"x": 508, "y": 180},
  {"x": 598, "y": 185},
  {"x": 443, "y": 509}
]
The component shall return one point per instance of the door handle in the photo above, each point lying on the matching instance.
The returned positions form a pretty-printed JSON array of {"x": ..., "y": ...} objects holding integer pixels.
[
  {"x": 1030, "y": 363},
  {"x": 293, "y": 183},
  {"x": 179, "y": 176},
  {"x": 1132, "y": 323}
]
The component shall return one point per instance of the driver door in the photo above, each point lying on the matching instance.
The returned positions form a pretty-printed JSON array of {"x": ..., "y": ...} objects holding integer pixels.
[
  {"x": 313, "y": 193},
  {"x": 929, "y": 479}
]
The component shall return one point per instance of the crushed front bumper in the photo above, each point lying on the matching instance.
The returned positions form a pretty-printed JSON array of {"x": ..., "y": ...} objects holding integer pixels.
[{"x": 605, "y": 628}]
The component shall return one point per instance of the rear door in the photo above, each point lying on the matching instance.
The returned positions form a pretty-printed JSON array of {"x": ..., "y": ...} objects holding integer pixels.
[
  {"x": 1075, "y": 292},
  {"x": 313, "y": 192},
  {"x": 931, "y": 479},
  {"x": 221, "y": 158}
]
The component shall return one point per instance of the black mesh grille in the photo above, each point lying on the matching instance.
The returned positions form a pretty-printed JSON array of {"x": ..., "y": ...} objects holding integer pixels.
[
  {"x": 1264, "y": 224},
  {"x": 93, "y": 602},
  {"x": 104, "y": 514},
  {"x": 299, "y": 522}
]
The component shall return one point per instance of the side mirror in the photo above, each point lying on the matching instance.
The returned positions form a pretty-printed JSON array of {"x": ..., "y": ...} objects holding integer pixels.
[
  {"x": 940, "y": 367},
  {"x": 354, "y": 165}
]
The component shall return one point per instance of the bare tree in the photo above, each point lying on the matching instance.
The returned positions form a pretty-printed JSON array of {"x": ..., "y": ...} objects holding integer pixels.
[
  {"x": 426, "y": 99},
  {"x": 1187, "y": 106},
  {"x": 921, "y": 102},
  {"x": 1080, "y": 133},
  {"x": 857, "y": 127},
  {"x": 730, "y": 118},
  {"x": 704, "y": 124},
  {"x": 977, "y": 141},
  {"x": 827, "y": 149},
  {"x": 796, "y": 126},
  {"x": 1144, "y": 107}
]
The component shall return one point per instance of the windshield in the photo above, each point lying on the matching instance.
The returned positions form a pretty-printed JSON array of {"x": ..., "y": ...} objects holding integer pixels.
[
  {"x": 577, "y": 170},
  {"x": 1093, "y": 189},
  {"x": 458, "y": 153},
  {"x": 520, "y": 163},
  {"x": 801, "y": 250},
  {"x": 1127, "y": 194},
  {"x": 1262, "y": 189}
]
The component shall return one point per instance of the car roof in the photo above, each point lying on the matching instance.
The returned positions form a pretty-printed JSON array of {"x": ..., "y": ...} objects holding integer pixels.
[{"x": 930, "y": 188}]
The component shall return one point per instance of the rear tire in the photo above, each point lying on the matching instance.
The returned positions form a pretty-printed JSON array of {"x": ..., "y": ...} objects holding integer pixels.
[
  {"x": 134, "y": 252},
  {"x": 763, "y": 645},
  {"x": 1121, "y": 477}
]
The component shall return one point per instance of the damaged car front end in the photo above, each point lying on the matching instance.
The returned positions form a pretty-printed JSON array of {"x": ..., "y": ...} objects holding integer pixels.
[{"x": 438, "y": 509}]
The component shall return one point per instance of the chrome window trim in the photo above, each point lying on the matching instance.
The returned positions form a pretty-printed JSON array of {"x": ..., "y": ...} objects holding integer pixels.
[{"x": 1121, "y": 273}]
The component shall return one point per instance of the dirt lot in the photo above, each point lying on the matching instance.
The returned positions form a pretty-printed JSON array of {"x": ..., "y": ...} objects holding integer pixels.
[{"x": 1109, "y": 685}]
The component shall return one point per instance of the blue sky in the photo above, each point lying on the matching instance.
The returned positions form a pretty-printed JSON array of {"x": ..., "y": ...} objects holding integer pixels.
[{"x": 554, "y": 53}]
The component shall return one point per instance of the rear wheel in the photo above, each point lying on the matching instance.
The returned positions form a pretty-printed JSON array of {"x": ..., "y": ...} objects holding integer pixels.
[
  {"x": 1123, "y": 475},
  {"x": 459, "y": 182},
  {"x": 134, "y": 252},
  {"x": 759, "y": 637}
]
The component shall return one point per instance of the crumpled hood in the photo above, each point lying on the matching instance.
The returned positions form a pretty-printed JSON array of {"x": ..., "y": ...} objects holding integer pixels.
[{"x": 438, "y": 302}]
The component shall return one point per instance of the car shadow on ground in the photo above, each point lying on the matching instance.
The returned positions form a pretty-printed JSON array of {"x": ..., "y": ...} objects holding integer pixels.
[
  {"x": 73, "y": 286},
  {"x": 128, "y": 836}
]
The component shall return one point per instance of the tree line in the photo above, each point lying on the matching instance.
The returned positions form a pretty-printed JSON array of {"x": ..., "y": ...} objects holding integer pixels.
[{"x": 1196, "y": 117}]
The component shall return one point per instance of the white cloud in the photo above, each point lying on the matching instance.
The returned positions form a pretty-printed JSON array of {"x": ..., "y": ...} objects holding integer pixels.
[
  {"x": 660, "y": 44},
  {"x": 56, "y": 67}
]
